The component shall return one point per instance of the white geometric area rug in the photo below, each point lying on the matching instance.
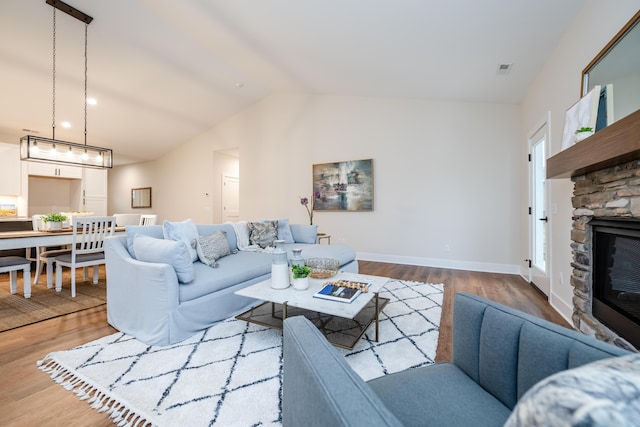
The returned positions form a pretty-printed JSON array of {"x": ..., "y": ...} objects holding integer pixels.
[{"x": 231, "y": 373}]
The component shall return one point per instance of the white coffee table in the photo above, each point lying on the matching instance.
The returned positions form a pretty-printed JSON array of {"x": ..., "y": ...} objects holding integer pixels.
[{"x": 342, "y": 323}]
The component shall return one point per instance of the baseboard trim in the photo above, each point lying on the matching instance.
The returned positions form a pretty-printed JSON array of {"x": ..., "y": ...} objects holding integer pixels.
[
  {"x": 564, "y": 309},
  {"x": 441, "y": 263}
]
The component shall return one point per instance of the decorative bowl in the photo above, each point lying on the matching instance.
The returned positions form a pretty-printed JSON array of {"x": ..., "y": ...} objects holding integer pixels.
[{"x": 322, "y": 268}]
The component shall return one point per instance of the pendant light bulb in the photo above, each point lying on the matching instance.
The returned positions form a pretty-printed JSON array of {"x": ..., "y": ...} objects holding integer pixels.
[
  {"x": 85, "y": 156},
  {"x": 70, "y": 153}
]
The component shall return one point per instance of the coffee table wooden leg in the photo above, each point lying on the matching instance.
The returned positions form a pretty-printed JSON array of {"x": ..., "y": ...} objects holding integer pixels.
[{"x": 377, "y": 317}]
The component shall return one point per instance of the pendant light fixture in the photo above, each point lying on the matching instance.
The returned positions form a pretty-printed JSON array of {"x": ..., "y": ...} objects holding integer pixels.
[{"x": 38, "y": 149}]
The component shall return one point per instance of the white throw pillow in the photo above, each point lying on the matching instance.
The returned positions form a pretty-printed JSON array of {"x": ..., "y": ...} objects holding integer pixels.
[
  {"x": 211, "y": 248},
  {"x": 185, "y": 231},
  {"x": 172, "y": 252}
]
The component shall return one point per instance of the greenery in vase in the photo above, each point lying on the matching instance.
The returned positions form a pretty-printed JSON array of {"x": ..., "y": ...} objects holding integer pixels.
[
  {"x": 300, "y": 271},
  {"x": 584, "y": 129},
  {"x": 54, "y": 217}
]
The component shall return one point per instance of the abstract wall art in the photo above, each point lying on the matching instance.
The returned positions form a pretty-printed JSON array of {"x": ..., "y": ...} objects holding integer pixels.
[{"x": 344, "y": 186}]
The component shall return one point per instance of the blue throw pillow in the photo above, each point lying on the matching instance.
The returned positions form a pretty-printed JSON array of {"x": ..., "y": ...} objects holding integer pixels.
[
  {"x": 133, "y": 230},
  {"x": 303, "y": 233},
  {"x": 185, "y": 231},
  {"x": 172, "y": 252},
  {"x": 284, "y": 231}
]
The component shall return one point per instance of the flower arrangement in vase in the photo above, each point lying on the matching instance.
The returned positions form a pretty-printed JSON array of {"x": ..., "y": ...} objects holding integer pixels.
[
  {"x": 300, "y": 277},
  {"x": 305, "y": 202}
]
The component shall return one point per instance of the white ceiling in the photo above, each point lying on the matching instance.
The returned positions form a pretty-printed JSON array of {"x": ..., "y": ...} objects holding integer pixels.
[{"x": 165, "y": 71}]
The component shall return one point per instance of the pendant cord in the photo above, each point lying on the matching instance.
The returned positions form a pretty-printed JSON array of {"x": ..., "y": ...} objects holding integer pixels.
[
  {"x": 53, "y": 94},
  {"x": 86, "y": 26}
]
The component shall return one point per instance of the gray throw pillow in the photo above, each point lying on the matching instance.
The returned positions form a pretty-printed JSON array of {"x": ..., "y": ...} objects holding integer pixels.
[
  {"x": 211, "y": 248},
  {"x": 263, "y": 233},
  {"x": 600, "y": 394}
]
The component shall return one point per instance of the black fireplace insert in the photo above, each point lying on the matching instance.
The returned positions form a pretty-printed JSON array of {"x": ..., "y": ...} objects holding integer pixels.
[{"x": 616, "y": 276}]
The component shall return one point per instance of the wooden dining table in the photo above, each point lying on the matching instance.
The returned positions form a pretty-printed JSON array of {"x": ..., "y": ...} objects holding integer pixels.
[{"x": 30, "y": 239}]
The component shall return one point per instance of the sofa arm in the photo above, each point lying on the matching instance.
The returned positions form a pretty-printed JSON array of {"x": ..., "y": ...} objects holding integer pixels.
[
  {"x": 140, "y": 295},
  {"x": 320, "y": 388}
]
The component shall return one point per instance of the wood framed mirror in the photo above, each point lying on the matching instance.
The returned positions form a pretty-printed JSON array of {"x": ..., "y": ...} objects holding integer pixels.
[
  {"x": 616, "y": 69},
  {"x": 141, "y": 197}
]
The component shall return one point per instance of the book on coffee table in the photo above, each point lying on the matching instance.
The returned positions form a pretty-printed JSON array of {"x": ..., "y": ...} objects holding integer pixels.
[{"x": 335, "y": 292}]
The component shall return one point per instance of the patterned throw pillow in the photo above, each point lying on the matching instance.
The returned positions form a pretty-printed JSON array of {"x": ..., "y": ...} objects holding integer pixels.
[
  {"x": 211, "y": 248},
  {"x": 602, "y": 393},
  {"x": 263, "y": 233}
]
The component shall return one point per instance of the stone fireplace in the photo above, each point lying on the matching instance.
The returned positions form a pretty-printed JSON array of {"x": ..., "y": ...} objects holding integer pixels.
[
  {"x": 608, "y": 194},
  {"x": 605, "y": 169}
]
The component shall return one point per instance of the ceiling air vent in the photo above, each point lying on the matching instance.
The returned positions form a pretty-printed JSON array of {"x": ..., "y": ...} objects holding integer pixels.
[{"x": 504, "y": 68}]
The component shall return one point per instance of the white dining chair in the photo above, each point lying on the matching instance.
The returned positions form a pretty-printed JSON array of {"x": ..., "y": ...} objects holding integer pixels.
[
  {"x": 148, "y": 219},
  {"x": 87, "y": 249},
  {"x": 11, "y": 265},
  {"x": 43, "y": 254}
]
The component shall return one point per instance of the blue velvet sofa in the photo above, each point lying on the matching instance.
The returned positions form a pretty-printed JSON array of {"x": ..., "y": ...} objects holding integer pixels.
[
  {"x": 498, "y": 354},
  {"x": 148, "y": 301}
]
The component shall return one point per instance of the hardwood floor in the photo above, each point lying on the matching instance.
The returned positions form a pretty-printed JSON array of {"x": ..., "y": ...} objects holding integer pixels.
[{"x": 29, "y": 397}]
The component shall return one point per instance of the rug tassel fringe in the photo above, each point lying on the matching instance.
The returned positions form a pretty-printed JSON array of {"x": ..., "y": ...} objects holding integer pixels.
[{"x": 98, "y": 399}]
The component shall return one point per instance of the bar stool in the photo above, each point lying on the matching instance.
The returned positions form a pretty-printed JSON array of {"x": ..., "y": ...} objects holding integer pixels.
[{"x": 11, "y": 265}]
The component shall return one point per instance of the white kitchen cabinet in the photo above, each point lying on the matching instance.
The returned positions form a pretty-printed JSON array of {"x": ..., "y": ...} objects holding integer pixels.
[
  {"x": 97, "y": 205},
  {"x": 10, "y": 170},
  {"x": 54, "y": 171},
  {"x": 94, "y": 191}
]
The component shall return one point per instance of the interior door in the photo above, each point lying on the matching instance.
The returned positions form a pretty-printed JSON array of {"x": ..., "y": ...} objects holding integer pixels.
[
  {"x": 230, "y": 198},
  {"x": 538, "y": 214}
]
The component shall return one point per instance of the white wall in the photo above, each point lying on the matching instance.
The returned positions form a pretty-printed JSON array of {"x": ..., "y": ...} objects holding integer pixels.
[
  {"x": 123, "y": 179},
  {"x": 556, "y": 89},
  {"x": 444, "y": 174}
]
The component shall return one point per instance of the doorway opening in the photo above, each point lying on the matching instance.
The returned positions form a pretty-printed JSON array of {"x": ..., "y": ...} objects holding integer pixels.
[
  {"x": 539, "y": 247},
  {"x": 226, "y": 186}
]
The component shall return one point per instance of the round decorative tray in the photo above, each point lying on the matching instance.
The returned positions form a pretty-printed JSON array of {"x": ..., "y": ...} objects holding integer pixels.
[{"x": 322, "y": 268}]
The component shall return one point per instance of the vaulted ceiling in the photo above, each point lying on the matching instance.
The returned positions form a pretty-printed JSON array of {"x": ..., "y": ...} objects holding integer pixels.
[{"x": 164, "y": 71}]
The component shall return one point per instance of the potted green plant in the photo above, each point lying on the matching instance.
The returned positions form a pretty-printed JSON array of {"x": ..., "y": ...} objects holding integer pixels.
[
  {"x": 300, "y": 277},
  {"x": 54, "y": 220},
  {"x": 582, "y": 133}
]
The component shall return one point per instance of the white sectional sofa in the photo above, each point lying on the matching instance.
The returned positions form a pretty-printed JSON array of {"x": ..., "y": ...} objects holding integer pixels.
[{"x": 148, "y": 301}]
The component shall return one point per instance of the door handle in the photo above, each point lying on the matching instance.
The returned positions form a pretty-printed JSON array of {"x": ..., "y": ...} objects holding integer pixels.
[{"x": 545, "y": 219}]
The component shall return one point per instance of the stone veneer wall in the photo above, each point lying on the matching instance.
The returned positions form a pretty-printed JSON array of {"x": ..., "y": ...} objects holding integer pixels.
[{"x": 607, "y": 193}]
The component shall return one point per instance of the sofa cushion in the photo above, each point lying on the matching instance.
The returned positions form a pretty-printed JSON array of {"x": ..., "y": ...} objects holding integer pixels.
[
  {"x": 303, "y": 233},
  {"x": 449, "y": 398},
  {"x": 172, "y": 252},
  {"x": 133, "y": 230},
  {"x": 602, "y": 393},
  {"x": 186, "y": 231},
  {"x": 211, "y": 248},
  {"x": 232, "y": 270},
  {"x": 263, "y": 233}
]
